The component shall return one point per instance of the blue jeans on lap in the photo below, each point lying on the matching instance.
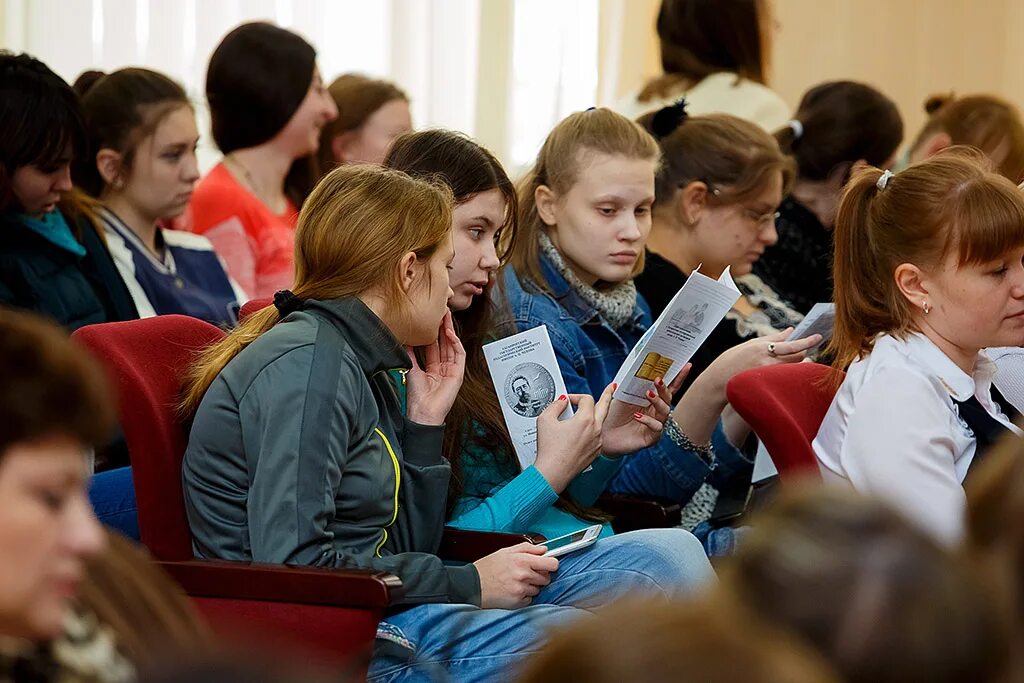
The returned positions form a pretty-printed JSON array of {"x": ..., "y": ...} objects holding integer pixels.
[
  {"x": 466, "y": 643},
  {"x": 112, "y": 495}
]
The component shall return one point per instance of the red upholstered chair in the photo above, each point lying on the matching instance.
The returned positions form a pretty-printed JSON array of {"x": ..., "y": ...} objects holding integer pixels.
[
  {"x": 331, "y": 614},
  {"x": 250, "y": 307},
  {"x": 784, "y": 405}
]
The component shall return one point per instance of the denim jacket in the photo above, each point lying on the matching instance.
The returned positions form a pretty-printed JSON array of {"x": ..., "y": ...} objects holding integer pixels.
[{"x": 589, "y": 352}]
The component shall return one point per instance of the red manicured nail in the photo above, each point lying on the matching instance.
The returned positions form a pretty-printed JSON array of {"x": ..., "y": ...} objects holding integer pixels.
[
  {"x": 562, "y": 397},
  {"x": 615, "y": 387},
  {"x": 637, "y": 416},
  {"x": 650, "y": 394},
  {"x": 660, "y": 382}
]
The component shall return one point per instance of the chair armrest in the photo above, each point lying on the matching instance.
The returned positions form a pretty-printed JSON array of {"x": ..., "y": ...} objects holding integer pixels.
[
  {"x": 630, "y": 513},
  {"x": 281, "y": 583},
  {"x": 461, "y": 545}
]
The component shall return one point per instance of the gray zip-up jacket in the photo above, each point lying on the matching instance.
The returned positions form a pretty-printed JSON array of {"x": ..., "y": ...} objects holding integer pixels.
[{"x": 300, "y": 454}]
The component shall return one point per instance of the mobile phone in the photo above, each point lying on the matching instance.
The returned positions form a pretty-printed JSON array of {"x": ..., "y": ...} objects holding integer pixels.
[{"x": 571, "y": 542}]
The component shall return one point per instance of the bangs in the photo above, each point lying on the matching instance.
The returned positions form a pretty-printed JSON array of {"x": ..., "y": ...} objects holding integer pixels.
[{"x": 989, "y": 223}]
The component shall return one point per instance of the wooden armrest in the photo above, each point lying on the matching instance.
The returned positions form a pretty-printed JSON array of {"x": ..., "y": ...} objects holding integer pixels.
[
  {"x": 630, "y": 513},
  {"x": 282, "y": 583},
  {"x": 461, "y": 545}
]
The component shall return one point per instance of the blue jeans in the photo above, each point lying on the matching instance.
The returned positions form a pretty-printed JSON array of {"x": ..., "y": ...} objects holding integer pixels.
[
  {"x": 112, "y": 495},
  {"x": 466, "y": 643}
]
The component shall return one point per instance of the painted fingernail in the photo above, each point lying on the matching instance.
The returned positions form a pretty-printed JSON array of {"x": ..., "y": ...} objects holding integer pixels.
[
  {"x": 650, "y": 394},
  {"x": 615, "y": 387},
  {"x": 637, "y": 416},
  {"x": 660, "y": 382},
  {"x": 562, "y": 397}
]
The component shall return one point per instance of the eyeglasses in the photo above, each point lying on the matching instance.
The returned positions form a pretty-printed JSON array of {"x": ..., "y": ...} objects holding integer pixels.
[{"x": 760, "y": 219}]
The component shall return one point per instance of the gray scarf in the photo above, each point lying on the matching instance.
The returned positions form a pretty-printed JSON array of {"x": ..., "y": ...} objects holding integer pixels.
[{"x": 615, "y": 303}]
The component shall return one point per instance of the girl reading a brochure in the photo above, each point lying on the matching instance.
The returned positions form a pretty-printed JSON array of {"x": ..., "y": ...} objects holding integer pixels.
[
  {"x": 584, "y": 217},
  {"x": 716, "y": 199},
  {"x": 929, "y": 270}
]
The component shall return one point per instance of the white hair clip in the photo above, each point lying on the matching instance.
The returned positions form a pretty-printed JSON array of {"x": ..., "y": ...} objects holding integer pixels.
[
  {"x": 797, "y": 128},
  {"x": 883, "y": 180}
]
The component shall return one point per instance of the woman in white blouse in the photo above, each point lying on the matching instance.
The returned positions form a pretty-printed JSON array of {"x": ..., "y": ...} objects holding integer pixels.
[{"x": 929, "y": 270}]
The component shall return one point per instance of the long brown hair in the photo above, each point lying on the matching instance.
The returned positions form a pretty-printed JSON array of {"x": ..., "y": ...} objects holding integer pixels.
[
  {"x": 992, "y": 125},
  {"x": 698, "y": 38},
  {"x": 356, "y": 225},
  {"x": 469, "y": 169},
  {"x": 558, "y": 167},
  {"x": 734, "y": 156},
  {"x": 951, "y": 203}
]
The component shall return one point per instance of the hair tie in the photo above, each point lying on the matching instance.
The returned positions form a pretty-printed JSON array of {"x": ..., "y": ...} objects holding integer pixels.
[
  {"x": 667, "y": 119},
  {"x": 798, "y": 129},
  {"x": 883, "y": 180},
  {"x": 286, "y": 302}
]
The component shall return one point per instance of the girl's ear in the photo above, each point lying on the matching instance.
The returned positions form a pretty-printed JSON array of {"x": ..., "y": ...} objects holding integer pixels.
[
  {"x": 546, "y": 201},
  {"x": 912, "y": 284},
  {"x": 108, "y": 163},
  {"x": 691, "y": 201},
  {"x": 408, "y": 271},
  {"x": 340, "y": 145}
]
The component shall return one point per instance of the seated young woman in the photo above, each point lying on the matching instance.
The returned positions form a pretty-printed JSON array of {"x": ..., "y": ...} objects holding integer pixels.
[
  {"x": 928, "y": 272},
  {"x": 585, "y": 214},
  {"x": 141, "y": 166},
  {"x": 52, "y": 258},
  {"x": 717, "y": 195},
  {"x": 838, "y": 127},
  {"x": 489, "y": 489},
  {"x": 301, "y": 452}
]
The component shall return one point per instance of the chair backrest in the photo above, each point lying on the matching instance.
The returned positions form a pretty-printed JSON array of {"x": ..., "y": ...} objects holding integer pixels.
[
  {"x": 784, "y": 405},
  {"x": 146, "y": 361},
  {"x": 250, "y": 307}
]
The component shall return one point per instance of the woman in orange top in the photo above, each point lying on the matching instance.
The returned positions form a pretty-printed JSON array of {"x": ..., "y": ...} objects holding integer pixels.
[{"x": 267, "y": 106}]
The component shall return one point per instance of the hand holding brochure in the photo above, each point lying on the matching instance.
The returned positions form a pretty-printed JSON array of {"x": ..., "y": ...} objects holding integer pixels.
[
  {"x": 819, "y": 320},
  {"x": 675, "y": 336},
  {"x": 526, "y": 376}
]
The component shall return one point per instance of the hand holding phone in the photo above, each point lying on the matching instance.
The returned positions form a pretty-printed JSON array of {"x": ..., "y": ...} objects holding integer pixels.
[{"x": 577, "y": 540}]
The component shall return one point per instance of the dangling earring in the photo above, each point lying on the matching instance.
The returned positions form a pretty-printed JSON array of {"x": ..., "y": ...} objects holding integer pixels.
[{"x": 926, "y": 307}]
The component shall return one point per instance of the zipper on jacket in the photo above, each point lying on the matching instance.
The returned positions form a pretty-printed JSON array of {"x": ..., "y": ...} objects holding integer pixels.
[{"x": 398, "y": 483}]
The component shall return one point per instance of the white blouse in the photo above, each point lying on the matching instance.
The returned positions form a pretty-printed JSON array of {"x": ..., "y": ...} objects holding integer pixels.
[
  {"x": 893, "y": 430},
  {"x": 723, "y": 93}
]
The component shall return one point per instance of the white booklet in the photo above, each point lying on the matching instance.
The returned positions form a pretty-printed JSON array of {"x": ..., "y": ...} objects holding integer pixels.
[
  {"x": 527, "y": 378},
  {"x": 687, "y": 321},
  {"x": 819, "y": 320}
]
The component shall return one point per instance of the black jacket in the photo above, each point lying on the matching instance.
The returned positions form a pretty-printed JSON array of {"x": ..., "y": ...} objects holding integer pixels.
[{"x": 37, "y": 275}]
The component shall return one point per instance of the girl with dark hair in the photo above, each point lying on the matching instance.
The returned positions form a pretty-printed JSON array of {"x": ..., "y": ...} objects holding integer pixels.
[
  {"x": 371, "y": 114},
  {"x": 929, "y": 271},
  {"x": 838, "y": 127},
  {"x": 52, "y": 258},
  {"x": 716, "y": 54},
  {"x": 490, "y": 491},
  {"x": 141, "y": 166},
  {"x": 267, "y": 106}
]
